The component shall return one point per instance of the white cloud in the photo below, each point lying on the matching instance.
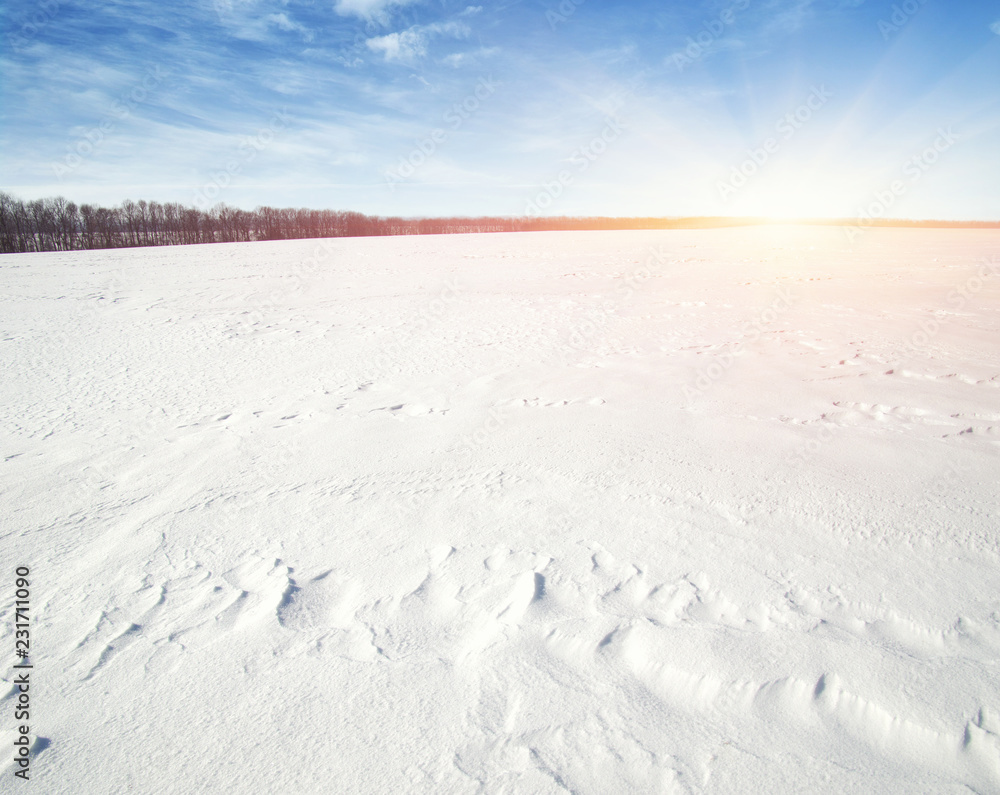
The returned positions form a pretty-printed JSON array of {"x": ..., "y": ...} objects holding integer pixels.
[
  {"x": 457, "y": 59},
  {"x": 367, "y": 9},
  {"x": 457, "y": 29},
  {"x": 995, "y": 27},
  {"x": 245, "y": 20},
  {"x": 403, "y": 47},
  {"x": 460, "y": 59},
  {"x": 282, "y": 22},
  {"x": 791, "y": 18},
  {"x": 408, "y": 45}
]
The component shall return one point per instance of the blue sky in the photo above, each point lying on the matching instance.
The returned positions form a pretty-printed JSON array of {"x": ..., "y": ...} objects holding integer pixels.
[{"x": 433, "y": 107}]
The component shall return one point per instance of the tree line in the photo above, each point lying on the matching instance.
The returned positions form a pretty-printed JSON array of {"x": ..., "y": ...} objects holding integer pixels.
[{"x": 56, "y": 224}]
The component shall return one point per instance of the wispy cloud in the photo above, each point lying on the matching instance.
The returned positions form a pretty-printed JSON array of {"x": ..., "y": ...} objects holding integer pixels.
[
  {"x": 367, "y": 9},
  {"x": 364, "y": 79},
  {"x": 460, "y": 60},
  {"x": 403, "y": 47},
  {"x": 410, "y": 45},
  {"x": 282, "y": 22},
  {"x": 788, "y": 16}
]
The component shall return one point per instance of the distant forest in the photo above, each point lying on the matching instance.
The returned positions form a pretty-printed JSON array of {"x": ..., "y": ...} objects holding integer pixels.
[{"x": 59, "y": 225}]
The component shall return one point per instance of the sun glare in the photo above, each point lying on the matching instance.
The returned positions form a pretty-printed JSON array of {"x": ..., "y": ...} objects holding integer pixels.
[{"x": 800, "y": 195}]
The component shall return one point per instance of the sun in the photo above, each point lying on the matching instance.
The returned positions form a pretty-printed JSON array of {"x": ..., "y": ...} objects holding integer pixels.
[{"x": 796, "y": 193}]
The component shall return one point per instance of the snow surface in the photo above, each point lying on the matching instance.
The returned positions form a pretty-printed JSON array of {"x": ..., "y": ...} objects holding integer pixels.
[{"x": 503, "y": 513}]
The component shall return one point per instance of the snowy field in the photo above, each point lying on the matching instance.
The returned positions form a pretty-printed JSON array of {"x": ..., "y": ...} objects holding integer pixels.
[{"x": 605, "y": 512}]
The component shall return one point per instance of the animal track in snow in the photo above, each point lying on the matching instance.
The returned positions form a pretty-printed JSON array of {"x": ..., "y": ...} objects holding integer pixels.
[
  {"x": 411, "y": 410},
  {"x": 550, "y": 404}
]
